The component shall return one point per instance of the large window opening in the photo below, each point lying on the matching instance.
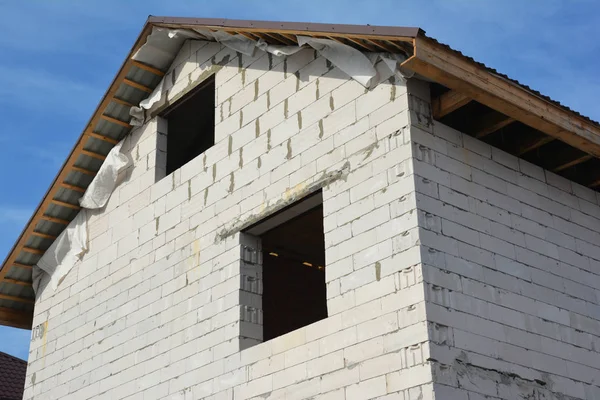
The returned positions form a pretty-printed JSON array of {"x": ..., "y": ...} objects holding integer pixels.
[
  {"x": 292, "y": 268},
  {"x": 190, "y": 125}
]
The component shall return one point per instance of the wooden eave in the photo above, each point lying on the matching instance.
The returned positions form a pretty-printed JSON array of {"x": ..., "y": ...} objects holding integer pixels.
[{"x": 470, "y": 80}]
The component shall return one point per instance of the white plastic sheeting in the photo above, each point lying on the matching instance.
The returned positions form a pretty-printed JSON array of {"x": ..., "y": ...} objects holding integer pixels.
[
  {"x": 103, "y": 184},
  {"x": 72, "y": 243},
  {"x": 368, "y": 69},
  {"x": 160, "y": 49},
  {"x": 65, "y": 252}
]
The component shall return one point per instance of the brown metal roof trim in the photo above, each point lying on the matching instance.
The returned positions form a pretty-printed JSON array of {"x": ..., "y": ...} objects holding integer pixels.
[{"x": 314, "y": 28}]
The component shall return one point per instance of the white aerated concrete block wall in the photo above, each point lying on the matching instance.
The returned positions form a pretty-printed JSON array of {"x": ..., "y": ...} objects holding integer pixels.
[
  {"x": 511, "y": 264},
  {"x": 153, "y": 311}
]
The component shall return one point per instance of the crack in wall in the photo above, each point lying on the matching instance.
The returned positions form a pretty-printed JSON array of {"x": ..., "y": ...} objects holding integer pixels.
[{"x": 294, "y": 195}]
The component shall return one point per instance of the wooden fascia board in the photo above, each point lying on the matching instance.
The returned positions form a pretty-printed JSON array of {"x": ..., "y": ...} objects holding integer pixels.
[
  {"x": 16, "y": 319},
  {"x": 436, "y": 62}
]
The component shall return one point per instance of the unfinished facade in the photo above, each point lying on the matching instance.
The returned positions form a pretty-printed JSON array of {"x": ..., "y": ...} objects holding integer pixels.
[{"x": 282, "y": 231}]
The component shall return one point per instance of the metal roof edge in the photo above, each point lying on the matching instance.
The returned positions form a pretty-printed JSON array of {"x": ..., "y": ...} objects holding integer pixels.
[{"x": 409, "y": 32}]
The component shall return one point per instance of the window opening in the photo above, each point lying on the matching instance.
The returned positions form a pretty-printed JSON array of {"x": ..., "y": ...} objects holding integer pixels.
[
  {"x": 190, "y": 125},
  {"x": 292, "y": 268}
]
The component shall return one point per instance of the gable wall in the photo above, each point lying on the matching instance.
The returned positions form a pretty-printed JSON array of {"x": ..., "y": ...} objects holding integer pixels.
[{"x": 153, "y": 310}]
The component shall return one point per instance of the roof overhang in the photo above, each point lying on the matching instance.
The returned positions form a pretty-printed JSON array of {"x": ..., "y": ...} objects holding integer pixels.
[
  {"x": 441, "y": 64},
  {"x": 109, "y": 123}
]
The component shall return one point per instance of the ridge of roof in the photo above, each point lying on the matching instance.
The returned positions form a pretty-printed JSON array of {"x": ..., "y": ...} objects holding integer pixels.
[{"x": 382, "y": 30}]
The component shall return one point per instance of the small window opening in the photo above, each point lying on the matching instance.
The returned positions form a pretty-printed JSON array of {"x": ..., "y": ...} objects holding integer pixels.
[
  {"x": 293, "y": 267},
  {"x": 190, "y": 125}
]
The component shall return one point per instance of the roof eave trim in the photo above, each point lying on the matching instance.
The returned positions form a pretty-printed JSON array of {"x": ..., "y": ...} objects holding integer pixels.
[
  {"x": 315, "y": 28},
  {"x": 437, "y": 62}
]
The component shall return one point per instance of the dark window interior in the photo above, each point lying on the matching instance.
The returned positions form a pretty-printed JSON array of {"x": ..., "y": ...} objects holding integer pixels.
[
  {"x": 191, "y": 125},
  {"x": 294, "y": 293}
]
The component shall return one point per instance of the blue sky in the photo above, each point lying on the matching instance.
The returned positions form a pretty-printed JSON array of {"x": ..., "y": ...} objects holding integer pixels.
[{"x": 58, "y": 57}]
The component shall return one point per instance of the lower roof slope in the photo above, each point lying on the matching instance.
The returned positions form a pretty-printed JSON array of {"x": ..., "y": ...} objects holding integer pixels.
[{"x": 12, "y": 377}]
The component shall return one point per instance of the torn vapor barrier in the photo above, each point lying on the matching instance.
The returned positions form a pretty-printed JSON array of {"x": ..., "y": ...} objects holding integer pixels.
[
  {"x": 160, "y": 49},
  {"x": 70, "y": 246},
  {"x": 103, "y": 184},
  {"x": 64, "y": 253},
  {"x": 367, "y": 69}
]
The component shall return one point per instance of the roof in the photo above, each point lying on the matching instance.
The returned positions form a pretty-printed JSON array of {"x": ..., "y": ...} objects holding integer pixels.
[
  {"x": 133, "y": 82},
  {"x": 516, "y": 82},
  {"x": 12, "y": 377}
]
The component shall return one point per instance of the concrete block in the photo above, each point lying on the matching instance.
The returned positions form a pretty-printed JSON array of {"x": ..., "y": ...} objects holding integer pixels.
[
  {"x": 367, "y": 389},
  {"x": 325, "y": 364},
  {"x": 404, "y": 379},
  {"x": 339, "y": 379}
]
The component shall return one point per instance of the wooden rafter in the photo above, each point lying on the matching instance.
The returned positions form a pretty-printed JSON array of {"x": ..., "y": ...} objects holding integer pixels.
[
  {"x": 72, "y": 187},
  {"x": 83, "y": 170},
  {"x": 533, "y": 144},
  {"x": 115, "y": 121},
  {"x": 337, "y": 39},
  {"x": 122, "y": 102},
  {"x": 594, "y": 184},
  {"x": 32, "y": 250},
  {"x": 488, "y": 124},
  {"x": 56, "y": 220},
  {"x": 382, "y": 46},
  {"x": 43, "y": 235},
  {"x": 67, "y": 205},
  {"x": 16, "y": 282},
  {"x": 20, "y": 265},
  {"x": 93, "y": 155},
  {"x": 396, "y": 45},
  {"x": 447, "y": 103},
  {"x": 283, "y": 39},
  {"x": 572, "y": 163},
  {"x": 292, "y": 38},
  {"x": 16, "y": 298},
  {"x": 102, "y": 137},
  {"x": 263, "y": 36},
  {"x": 246, "y": 35},
  {"x": 442, "y": 65},
  {"x": 361, "y": 43},
  {"x": 271, "y": 36},
  {"x": 136, "y": 85},
  {"x": 147, "y": 67}
]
